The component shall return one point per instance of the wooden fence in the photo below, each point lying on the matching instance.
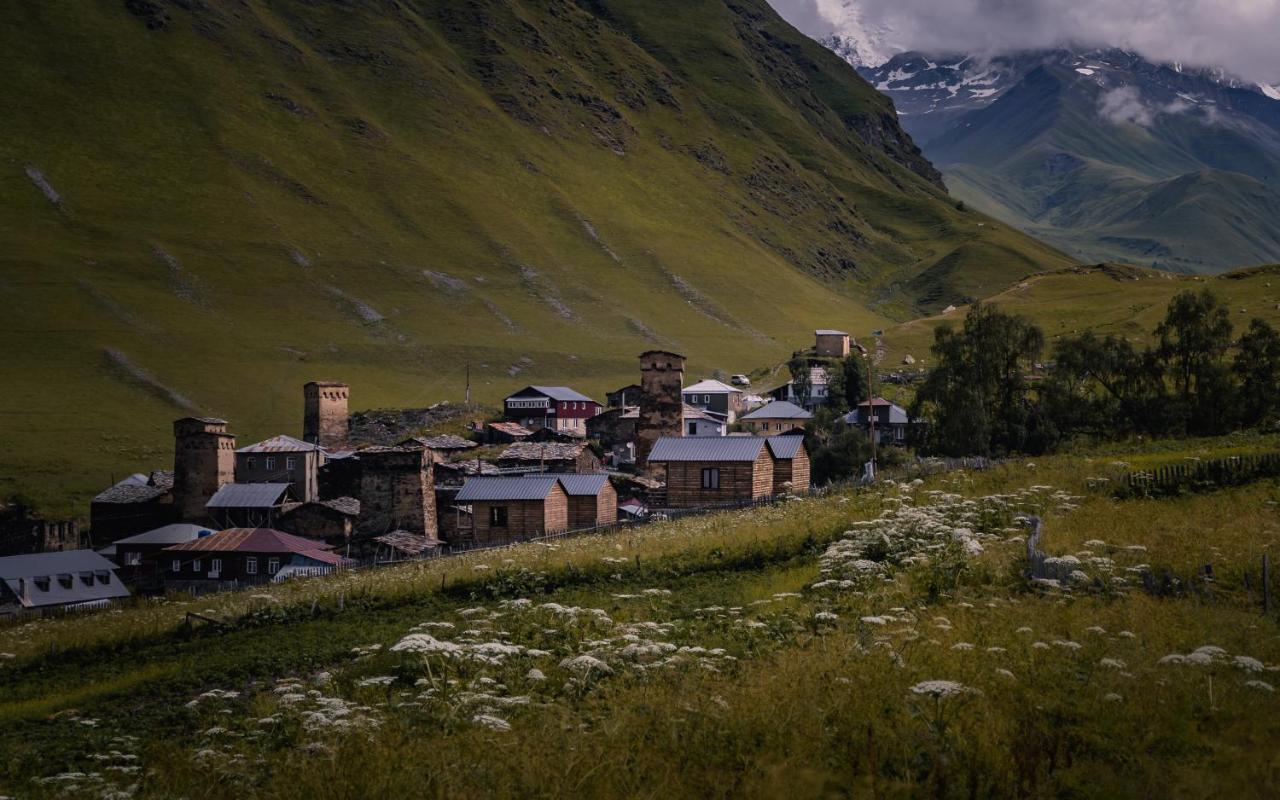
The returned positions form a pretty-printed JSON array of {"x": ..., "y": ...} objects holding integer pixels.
[{"x": 1200, "y": 476}]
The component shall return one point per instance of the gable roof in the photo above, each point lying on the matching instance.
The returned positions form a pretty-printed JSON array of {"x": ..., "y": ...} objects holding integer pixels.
[
  {"x": 251, "y": 540},
  {"x": 779, "y": 409},
  {"x": 280, "y": 444},
  {"x": 707, "y": 448},
  {"x": 138, "y": 488},
  {"x": 92, "y": 578},
  {"x": 693, "y": 412},
  {"x": 408, "y": 543},
  {"x": 711, "y": 387},
  {"x": 559, "y": 393},
  {"x": 248, "y": 495},
  {"x": 785, "y": 447},
  {"x": 168, "y": 534},
  {"x": 526, "y": 488},
  {"x": 447, "y": 442},
  {"x": 587, "y": 485},
  {"x": 511, "y": 428}
]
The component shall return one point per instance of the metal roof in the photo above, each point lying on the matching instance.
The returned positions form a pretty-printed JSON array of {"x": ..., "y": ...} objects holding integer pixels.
[
  {"x": 251, "y": 540},
  {"x": 897, "y": 415},
  {"x": 560, "y": 393},
  {"x": 526, "y": 488},
  {"x": 169, "y": 534},
  {"x": 711, "y": 387},
  {"x": 707, "y": 448},
  {"x": 280, "y": 444},
  {"x": 588, "y": 485},
  {"x": 785, "y": 447},
  {"x": 61, "y": 578},
  {"x": 779, "y": 409},
  {"x": 248, "y": 495},
  {"x": 829, "y": 332}
]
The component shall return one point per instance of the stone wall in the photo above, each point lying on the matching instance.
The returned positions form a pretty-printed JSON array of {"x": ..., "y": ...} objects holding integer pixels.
[
  {"x": 661, "y": 401},
  {"x": 204, "y": 459},
  {"x": 325, "y": 417},
  {"x": 397, "y": 492}
]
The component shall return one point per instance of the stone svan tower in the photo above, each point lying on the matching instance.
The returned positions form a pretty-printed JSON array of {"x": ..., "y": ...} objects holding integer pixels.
[
  {"x": 204, "y": 459},
  {"x": 397, "y": 492},
  {"x": 661, "y": 401},
  {"x": 324, "y": 420}
]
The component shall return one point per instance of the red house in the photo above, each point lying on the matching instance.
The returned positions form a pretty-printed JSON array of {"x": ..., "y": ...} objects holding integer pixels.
[
  {"x": 245, "y": 556},
  {"x": 556, "y": 407}
]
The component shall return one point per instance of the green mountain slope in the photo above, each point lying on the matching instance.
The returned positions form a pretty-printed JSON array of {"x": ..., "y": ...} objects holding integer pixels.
[
  {"x": 1104, "y": 172},
  {"x": 206, "y": 204}
]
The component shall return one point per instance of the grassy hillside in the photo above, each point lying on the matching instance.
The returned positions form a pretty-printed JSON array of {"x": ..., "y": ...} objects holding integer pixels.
[
  {"x": 205, "y": 205},
  {"x": 881, "y": 643},
  {"x": 1107, "y": 299},
  {"x": 1176, "y": 186}
]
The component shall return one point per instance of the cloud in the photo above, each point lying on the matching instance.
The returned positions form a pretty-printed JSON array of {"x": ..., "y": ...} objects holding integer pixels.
[
  {"x": 1237, "y": 35},
  {"x": 1125, "y": 105}
]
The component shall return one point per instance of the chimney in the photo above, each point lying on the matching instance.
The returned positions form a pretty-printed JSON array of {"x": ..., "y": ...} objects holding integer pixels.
[{"x": 324, "y": 418}]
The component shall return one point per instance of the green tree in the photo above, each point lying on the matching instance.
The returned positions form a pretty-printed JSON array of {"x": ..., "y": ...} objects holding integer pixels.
[
  {"x": 801, "y": 382},
  {"x": 1257, "y": 367},
  {"x": 1105, "y": 387},
  {"x": 977, "y": 399},
  {"x": 1193, "y": 339},
  {"x": 846, "y": 383}
]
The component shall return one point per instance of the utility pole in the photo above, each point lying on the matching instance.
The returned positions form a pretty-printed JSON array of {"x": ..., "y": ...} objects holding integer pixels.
[
  {"x": 871, "y": 416},
  {"x": 468, "y": 383}
]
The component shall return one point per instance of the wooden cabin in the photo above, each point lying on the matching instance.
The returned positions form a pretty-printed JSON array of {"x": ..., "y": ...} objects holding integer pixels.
[
  {"x": 790, "y": 464},
  {"x": 507, "y": 510},
  {"x": 707, "y": 470},
  {"x": 592, "y": 499}
]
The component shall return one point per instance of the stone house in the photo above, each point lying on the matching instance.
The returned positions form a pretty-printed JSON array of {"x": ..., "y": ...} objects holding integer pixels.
[
  {"x": 830, "y": 344},
  {"x": 574, "y": 457},
  {"x": 777, "y": 417},
  {"x": 613, "y": 427},
  {"x": 134, "y": 505},
  {"x": 626, "y": 397},
  {"x": 505, "y": 510},
  {"x": 282, "y": 459},
  {"x": 332, "y": 521}
]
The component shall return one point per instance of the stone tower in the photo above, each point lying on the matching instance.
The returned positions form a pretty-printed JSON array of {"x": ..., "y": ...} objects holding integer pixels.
[
  {"x": 324, "y": 420},
  {"x": 204, "y": 458},
  {"x": 661, "y": 401},
  {"x": 397, "y": 491}
]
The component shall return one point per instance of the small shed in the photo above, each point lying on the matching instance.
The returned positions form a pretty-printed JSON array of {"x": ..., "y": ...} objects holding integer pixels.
[
  {"x": 707, "y": 470},
  {"x": 790, "y": 464},
  {"x": 249, "y": 505},
  {"x": 507, "y": 510},
  {"x": 592, "y": 499}
]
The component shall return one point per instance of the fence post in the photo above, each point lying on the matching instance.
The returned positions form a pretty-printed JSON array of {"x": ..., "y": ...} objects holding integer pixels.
[{"x": 1266, "y": 583}]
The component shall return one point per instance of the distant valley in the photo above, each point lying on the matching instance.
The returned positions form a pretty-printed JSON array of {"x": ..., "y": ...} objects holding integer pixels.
[{"x": 1101, "y": 153}]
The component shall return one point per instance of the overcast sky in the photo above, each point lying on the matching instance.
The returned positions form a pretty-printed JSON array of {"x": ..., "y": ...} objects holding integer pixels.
[{"x": 1242, "y": 36}]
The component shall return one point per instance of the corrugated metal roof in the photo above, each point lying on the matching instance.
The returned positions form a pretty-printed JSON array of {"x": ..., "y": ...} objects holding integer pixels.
[
  {"x": 561, "y": 393},
  {"x": 779, "y": 409},
  {"x": 707, "y": 448},
  {"x": 250, "y": 540},
  {"x": 169, "y": 534},
  {"x": 711, "y": 387},
  {"x": 280, "y": 444},
  {"x": 785, "y": 447},
  {"x": 526, "y": 488},
  {"x": 248, "y": 495},
  {"x": 67, "y": 577},
  {"x": 588, "y": 485}
]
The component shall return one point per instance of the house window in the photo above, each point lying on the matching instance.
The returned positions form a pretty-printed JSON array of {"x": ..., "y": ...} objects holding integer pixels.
[
  {"x": 271, "y": 463},
  {"x": 248, "y": 463},
  {"x": 195, "y": 565},
  {"x": 177, "y": 565},
  {"x": 290, "y": 463},
  {"x": 899, "y": 433},
  {"x": 273, "y": 566},
  {"x": 497, "y": 516},
  {"x": 132, "y": 559},
  {"x": 215, "y": 566},
  {"x": 693, "y": 429},
  {"x": 710, "y": 478},
  {"x": 251, "y": 565}
]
